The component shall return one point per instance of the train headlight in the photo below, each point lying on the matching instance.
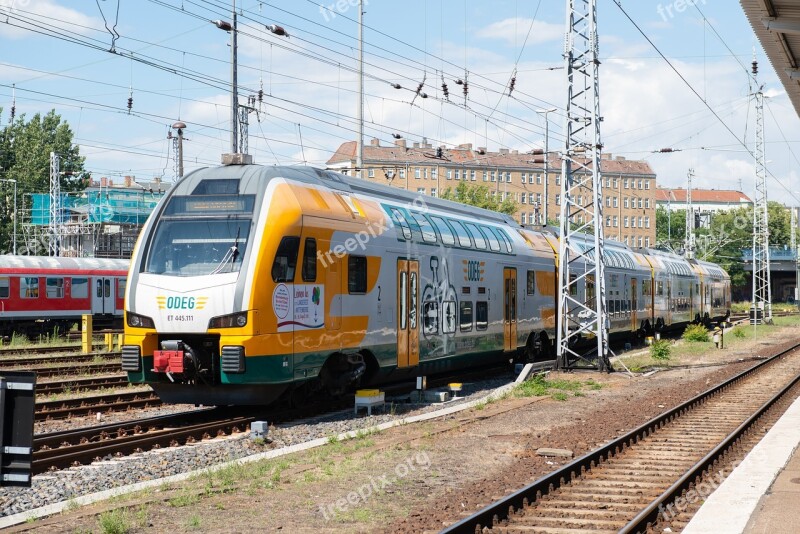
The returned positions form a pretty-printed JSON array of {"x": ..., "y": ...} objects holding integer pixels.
[
  {"x": 233, "y": 320},
  {"x": 139, "y": 321}
]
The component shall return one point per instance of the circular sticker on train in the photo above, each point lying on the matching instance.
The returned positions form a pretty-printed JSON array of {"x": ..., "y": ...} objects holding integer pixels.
[{"x": 281, "y": 301}]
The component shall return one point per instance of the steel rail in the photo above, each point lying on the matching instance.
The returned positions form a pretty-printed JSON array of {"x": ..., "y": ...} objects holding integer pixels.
[{"x": 492, "y": 514}]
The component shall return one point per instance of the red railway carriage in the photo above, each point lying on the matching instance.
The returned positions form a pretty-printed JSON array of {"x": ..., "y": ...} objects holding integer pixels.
[{"x": 40, "y": 293}]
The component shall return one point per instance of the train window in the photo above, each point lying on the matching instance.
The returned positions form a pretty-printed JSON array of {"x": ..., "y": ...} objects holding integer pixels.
[
  {"x": 225, "y": 186},
  {"x": 401, "y": 221},
  {"x": 449, "y": 317},
  {"x": 494, "y": 243},
  {"x": 121, "y": 288},
  {"x": 614, "y": 280},
  {"x": 309, "y": 269},
  {"x": 285, "y": 260},
  {"x": 503, "y": 239},
  {"x": 80, "y": 288},
  {"x": 412, "y": 305},
  {"x": 29, "y": 287},
  {"x": 107, "y": 288},
  {"x": 403, "y": 300},
  {"x": 5, "y": 287},
  {"x": 447, "y": 234},
  {"x": 428, "y": 233},
  {"x": 465, "y": 316},
  {"x": 646, "y": 286},
  {"x": 480, "y": 242},
  {"x": 430, "y": 317},
  {"x": 461, "y": 234},
  {"x": 531, "y": 285},
  {"x": 54, "y": 288},
  {"x": 659, "y": 288},
  {"x": 481, "y": 315},
  {"x": 465, "y": 290},
  {"x": 573, "y": 286},
  {"x": 356, "y": 274}
]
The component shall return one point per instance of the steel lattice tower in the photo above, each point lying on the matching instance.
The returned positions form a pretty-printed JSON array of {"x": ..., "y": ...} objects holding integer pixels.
[
  {"x": 762, "y": 295},
  {"x": 581, "y": 280},
  {"x": 55, "y": 206}
]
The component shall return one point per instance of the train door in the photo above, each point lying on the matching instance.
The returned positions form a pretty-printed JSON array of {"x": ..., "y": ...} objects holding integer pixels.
[
  {"x": 103, "y": 296},
  {"x": 670, "y": 302},
  {"x": 407, "y": 313},
  {"x": 509, "y": 309},
  {"x": 634, "y": 306}
]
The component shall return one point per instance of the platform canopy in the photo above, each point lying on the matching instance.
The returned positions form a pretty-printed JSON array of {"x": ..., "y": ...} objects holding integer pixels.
[{"x": 776, "y": 23}]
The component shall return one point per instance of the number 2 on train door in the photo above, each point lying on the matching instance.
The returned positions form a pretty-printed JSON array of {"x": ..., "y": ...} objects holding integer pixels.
[
  {"x": 407, "y": 313},
  {"x": 509, "y": 309}
]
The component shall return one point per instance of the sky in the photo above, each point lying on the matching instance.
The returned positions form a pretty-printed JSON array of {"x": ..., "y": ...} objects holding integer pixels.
[{"x": 85, "y": 58}]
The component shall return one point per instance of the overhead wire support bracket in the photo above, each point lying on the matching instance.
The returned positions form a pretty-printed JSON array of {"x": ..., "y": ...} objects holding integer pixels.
[{"x": 582, "y": 341}]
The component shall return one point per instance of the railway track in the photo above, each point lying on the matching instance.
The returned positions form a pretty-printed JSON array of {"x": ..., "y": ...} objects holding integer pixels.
[
  {"x": 77, "y": 369},
  {"x": 61, "y": 359},
  {"x": 625, "y": 485},
  {"x": 81, "y": 384},
  {"x": 112, "y": 402},
  {"x": 49, "y": 349}
]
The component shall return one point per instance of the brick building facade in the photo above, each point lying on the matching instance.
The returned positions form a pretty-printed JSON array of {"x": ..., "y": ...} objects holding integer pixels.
[{"x": 629, "y": 188}]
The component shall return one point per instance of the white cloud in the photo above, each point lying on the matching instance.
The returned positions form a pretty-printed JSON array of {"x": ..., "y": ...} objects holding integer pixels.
[
  {"x": 514, "y": 30},
  {"x": 43, "y": 12}
]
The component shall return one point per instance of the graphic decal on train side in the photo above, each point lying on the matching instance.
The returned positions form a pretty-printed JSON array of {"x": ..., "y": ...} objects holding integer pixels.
[
  {"x": 439, "y": 305},
  {"x": 473, "y": 270},
  {"x": 181, "y": 303},
  {"x": 299, "y": 306}
]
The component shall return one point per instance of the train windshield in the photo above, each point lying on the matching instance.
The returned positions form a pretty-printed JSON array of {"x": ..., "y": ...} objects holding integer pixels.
[{"x": 193, "y": 237}]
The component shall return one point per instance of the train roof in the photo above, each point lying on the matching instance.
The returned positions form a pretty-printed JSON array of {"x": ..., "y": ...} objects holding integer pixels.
[
  {"x": 253, "y": 178},
  {"x": 8, "y": 261}
]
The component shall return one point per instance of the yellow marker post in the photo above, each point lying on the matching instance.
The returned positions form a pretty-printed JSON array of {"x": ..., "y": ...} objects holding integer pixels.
[
  {"x": 109, "y": 342},
  {"x": 120, "y": 341},
  {"x": 86, "y": 334}
]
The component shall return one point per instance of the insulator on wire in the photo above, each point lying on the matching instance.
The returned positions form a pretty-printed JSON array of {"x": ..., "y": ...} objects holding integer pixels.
[
  {"x": 130, "y": 103},
  {"x": 397, "y": 86},
  {"x": 445, "y": 91},
  {"x": 260, "y": 95},
  {"x": 511, "y": 85}
]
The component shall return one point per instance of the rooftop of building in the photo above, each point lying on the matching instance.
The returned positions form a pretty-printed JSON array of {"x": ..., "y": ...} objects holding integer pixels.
[
  {"x": 424, "y": 153},
  {"x": 718, "y": 196}
]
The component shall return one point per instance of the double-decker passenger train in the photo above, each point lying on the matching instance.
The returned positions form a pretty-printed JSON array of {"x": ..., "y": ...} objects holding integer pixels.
[
  {"x": 250, "y": 282},
  {"x": 40, "y": 294}
]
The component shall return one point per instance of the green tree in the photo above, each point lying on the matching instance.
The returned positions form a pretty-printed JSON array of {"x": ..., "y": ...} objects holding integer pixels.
[
  {"x": 670, "y": 228},
  {"x": 25, "y": 147},
  {"x": 479, "y": 196}
]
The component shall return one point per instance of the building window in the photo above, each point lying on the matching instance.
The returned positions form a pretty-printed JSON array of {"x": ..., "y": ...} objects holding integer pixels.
[
  {"x": 641, "y": 203},
  {"x": 524, "y": 198},
  {"x": 434, "y": 173},
  {"x": 647, "y": 222},
  {"x": 472, "y": 175},
  {"x": 485, "y": 176},
  {"x": 402, "y": 174},
  {"x": 616, "y": 221},
  {"x": 608, "y": 182},
  {"x": 508, "y": 176},
  {"x": 417, "y": 173},
  {"x": 524, "y": 177},
  {"x": 539, "y": 198},
  {"x": 356, "y": 274},
  {"x": 647, "y": 186},
  {"x": 625, "y": 203},
  {"x": 524, "y": 218},
  {"x": 458, "y": 174},
  {"x": 626, "y": 240},
  {"x": 647, "y": 202},
  {"x": 433, "y": 192},
  {"x": 558, "y": 179},
  {"x": 608, "y": 202},
  {"x": 421, "y": 190},
  {"x": 625, "y": 221},
  {"x": 647, "y": 242},
  {"x": 608, "y": 222},
  {"x": 641, "y": 186},
  {"x": 449, "y": 174},
  {"x": 494, "y": 176},
  {"x": 425, "y": 173},
  {"x": 640, "y": 221},
  {"x": 616, "y": 204},
  {"x": 558, "y": 200},
  {"x": 616, "y": 183},
  {"x": 538, "y": 178}
]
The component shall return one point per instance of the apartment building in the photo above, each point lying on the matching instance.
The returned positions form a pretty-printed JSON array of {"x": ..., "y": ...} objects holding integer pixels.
[{"x": 629, "y": 186}]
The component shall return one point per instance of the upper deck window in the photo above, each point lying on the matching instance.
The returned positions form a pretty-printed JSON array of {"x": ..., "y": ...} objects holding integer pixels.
[
  {"x": 428, "y": 233},
  {"x": 461, "y": 233},
  {"x": 401, "y": 221},
  {"x": 444, "y": 230},
  {"x": 480, "y": 242}
]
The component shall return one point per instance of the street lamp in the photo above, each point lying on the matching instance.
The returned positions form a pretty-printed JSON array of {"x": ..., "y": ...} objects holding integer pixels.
[
  {"x": 14, "y": 236},
  {"x": 546, "y": 156}
]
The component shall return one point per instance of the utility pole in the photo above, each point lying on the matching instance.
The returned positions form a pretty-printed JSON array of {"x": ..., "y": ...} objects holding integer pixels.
[
  {"x": 793, "y": 210},
  {"x": 360, "y": 148},
  {"x": 178, "y": 146},
  {"x": 689, "y": 244},
  {"x": 234, "y": 84},
  {"x": 55, "y": 206},
  {"x": 546, "y": 157},
  {"x": 14, "y": 234},
  {"x": 762, "y": 294},
  {"x": 581, "y": 262}
]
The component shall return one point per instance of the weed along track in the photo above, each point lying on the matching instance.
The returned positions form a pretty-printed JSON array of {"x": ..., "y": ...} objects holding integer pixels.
[{"x": 655, "y": 472}]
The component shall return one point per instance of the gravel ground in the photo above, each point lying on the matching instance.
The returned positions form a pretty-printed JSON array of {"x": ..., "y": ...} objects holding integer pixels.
[{"x": 115, "y": 472}]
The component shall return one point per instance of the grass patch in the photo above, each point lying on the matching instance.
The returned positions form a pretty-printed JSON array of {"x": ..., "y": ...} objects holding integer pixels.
[
  {"x": 184, "y": 499},
  {"x": 696, "y": 333},
  {"x": 539, "y": 386},
  {"x": 115, "y": 521},
  {"x": 660, "y": 350}
]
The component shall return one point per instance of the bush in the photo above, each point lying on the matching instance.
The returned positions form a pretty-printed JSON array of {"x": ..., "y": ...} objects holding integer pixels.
[
  {"x": 739, "y": 332},
  {"x": 660, "y": 350},
  {"x": 696, "y": 332}
]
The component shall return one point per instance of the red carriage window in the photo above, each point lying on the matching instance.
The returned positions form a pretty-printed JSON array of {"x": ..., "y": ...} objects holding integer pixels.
[
  {"x": 80, "y": 288},
  {"x": 5, "y": 287},
  {"x": 54, "y": 288},
  {"x": 29, "y": 287},
  {"x": 121, "y": 288},
  {"x": 107, "y": 285}
]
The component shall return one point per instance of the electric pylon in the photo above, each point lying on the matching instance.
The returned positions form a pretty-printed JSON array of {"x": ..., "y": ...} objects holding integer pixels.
[{"x": 581, "y": 280}]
